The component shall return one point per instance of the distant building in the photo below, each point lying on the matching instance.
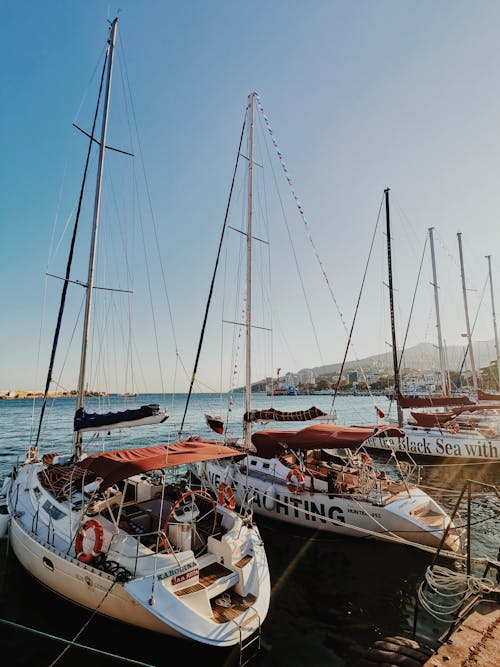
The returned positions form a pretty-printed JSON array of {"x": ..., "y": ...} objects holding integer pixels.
[
  {"x": 352, "y": 377},
  {"x": 306, "y": 376}
]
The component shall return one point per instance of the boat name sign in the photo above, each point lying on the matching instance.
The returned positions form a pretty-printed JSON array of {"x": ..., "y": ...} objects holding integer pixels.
[{"x": 180, "y": 573}]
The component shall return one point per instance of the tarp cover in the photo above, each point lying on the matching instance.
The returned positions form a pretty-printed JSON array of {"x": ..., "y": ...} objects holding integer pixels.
[
  {"x": 432, "y": 401},
  {"x": 272, "y": 414},
  {"x": 319, "y": 436},
  {"x": 122, "y": 463},
  {"x": 94, "y": 419}
]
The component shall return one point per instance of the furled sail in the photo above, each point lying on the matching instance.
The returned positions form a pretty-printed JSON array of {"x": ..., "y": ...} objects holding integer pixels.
[
  {"x": 273, "y": 415},
  {"x": 146, "y": 414}
]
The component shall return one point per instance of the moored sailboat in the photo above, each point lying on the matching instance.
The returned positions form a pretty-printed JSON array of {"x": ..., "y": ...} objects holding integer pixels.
[
  {"x": 318, "y": 475},
  {"x": 121, "y": 532}
]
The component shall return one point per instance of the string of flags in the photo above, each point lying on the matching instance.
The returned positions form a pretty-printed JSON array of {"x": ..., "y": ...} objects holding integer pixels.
[{"x": 299, "y": 205}]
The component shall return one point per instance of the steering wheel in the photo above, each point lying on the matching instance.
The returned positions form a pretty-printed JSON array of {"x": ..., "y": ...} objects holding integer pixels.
[{"x": 190, "y": 512}]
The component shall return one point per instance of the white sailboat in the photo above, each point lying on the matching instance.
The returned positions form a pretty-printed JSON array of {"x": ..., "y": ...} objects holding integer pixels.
[
  {"x": 300, "y": 477},
  {"x": 114, "y": 532},
  {"x": 449, "y": 428}
]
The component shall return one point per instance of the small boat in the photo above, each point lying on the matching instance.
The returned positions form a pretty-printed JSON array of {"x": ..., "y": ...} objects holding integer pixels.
[{"x": 122, "y": 532}]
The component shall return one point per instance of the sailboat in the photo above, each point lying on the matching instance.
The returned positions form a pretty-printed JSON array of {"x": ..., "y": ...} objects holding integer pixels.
[
  {"x": 451, "y": 429},
  {"x": 317, "y": 476},
  {"x": 121, "y": 532}
]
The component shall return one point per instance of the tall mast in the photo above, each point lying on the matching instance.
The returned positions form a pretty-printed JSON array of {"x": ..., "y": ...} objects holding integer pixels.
[
  {"x": 488, "y": 257},
  {"x": 442, "y": 365},
  {"x": 469, "y": 339},
  {"x": 95, "y": 228},
  {"x": 397, "y": 389},
  {"x": 248, "y": 370}
]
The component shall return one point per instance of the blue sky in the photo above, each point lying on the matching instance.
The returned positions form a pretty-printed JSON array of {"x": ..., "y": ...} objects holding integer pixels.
[{"x": 361, "y": 96}]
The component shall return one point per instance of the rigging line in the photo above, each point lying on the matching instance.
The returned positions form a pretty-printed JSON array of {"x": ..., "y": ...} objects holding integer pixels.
[
  {"x": 357, "y": 305},
  {"x": 287, "y": 227},
  {"x": 473, "y": 327},
  {"x": 412, "y": 304},
  {"x": 209, "y": 300},
  {"x": 70, "y": 258},
  {"x": 300, "y": 209},
  {"x": 153, "y": 219}
]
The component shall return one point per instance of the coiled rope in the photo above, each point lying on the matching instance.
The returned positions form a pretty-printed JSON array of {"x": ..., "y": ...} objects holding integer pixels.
[{"x": 443, "y": 591}]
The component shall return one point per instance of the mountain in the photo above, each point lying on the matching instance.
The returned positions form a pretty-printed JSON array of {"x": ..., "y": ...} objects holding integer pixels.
[{"x": 423, "y": 356}]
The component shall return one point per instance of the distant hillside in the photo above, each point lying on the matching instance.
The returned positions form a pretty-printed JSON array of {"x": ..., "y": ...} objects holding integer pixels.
[{"x": 423, "y": 356}]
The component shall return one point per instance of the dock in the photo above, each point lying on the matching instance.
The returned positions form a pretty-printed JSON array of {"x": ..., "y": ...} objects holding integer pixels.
[{"x": 476, "y": 641}]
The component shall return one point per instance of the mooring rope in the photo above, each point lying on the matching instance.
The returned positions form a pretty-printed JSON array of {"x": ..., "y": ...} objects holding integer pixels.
[
  {"x": 108, "y": 654},
  {"x": 453, "y": 590}
]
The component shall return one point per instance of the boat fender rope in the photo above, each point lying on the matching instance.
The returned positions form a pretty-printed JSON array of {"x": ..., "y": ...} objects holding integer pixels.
[
  {"x": 298, "y": 485},
  {"x": 225, "y": 496},
  {"x": 91, "y": 524}
]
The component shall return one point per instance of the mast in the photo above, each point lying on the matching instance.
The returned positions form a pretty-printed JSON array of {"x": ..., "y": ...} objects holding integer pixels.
[
  {"x": 469, "y": 339},
  {"x": 442, "y": 365},
  {"x": 95, "y": 228},
  {"x": 248, "y": 369},
  {"x": 397, "y": 390},
  {"x": 488, "y": 257}
]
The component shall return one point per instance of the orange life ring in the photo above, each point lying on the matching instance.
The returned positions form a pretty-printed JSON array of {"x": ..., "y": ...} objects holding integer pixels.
[
  {"x": 91, "y": 524},
  {"x": 297, "y": 487},
  {"x": 452, "y": 427},
  {"x": 225, "y": 496},
  {"x": 366, "y": 458}
]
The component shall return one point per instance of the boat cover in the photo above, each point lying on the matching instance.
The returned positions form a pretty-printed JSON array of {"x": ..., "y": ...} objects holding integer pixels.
[
  {"x": 271, "y": 414},
  {"x": 318, "y": 436},
  {"x": 84, "y": 420},
  {"x": 432, "y": 401},
  {"x": 485, "y": 396},
  {"x": 428, "y": 419},
  {"x": 122, "y": 463}
]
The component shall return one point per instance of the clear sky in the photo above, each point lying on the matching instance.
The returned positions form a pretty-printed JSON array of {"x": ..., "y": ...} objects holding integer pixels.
[{"x": 361, "y": 96}]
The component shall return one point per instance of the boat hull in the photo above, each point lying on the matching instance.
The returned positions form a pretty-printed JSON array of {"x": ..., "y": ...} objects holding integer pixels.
[
  {"x": 438, "y": 443},
  {"x": 343, "y": 515},
  {"x": 80, "y": 583}
]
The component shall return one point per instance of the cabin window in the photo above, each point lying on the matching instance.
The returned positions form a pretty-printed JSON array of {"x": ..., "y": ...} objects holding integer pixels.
[
  {"x": 253, "y": 462},
  {"x": 266, "y": 466},
  {"x": 52, "y": 511}
]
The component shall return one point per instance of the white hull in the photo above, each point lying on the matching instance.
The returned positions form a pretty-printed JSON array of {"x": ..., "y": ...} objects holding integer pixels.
[
  {"x": 81, "y": 583},
  {"x": 436, "y": 442},
  {"x": 165, "y": 592},
  {"x": 344, "y": 515}
]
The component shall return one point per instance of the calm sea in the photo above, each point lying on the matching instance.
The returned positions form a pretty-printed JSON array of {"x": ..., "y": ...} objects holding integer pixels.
[{"x": 332, "y": 597}]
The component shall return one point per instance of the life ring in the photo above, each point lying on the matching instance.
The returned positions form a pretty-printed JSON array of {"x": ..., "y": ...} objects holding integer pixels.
[
  {"x": 91, "y": 524},
  {"x": 225, "y": 496},
  {"x": 299, "y": 485},
  {"x": 366, "y": 458},
  {"x": 452, "y": 427}
]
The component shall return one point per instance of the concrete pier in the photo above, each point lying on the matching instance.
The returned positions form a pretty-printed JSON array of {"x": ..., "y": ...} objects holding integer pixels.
[{"x": 475, "y": 643}]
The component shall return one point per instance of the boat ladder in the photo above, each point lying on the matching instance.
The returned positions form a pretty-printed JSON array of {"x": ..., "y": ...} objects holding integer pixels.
[{"x": 250, "y": 646}]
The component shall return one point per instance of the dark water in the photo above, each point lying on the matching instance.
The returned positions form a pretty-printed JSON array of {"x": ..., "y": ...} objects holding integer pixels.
[{"x": 331, "y": 597}]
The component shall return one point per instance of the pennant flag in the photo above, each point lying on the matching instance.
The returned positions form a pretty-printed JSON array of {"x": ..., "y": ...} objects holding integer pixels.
[
  {"x": 215, "y": 423},
  {"x": 379, "y": 412}
]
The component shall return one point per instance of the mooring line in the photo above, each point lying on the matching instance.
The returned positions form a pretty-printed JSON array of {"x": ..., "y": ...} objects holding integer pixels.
[{"x": 72, "y": 643}]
